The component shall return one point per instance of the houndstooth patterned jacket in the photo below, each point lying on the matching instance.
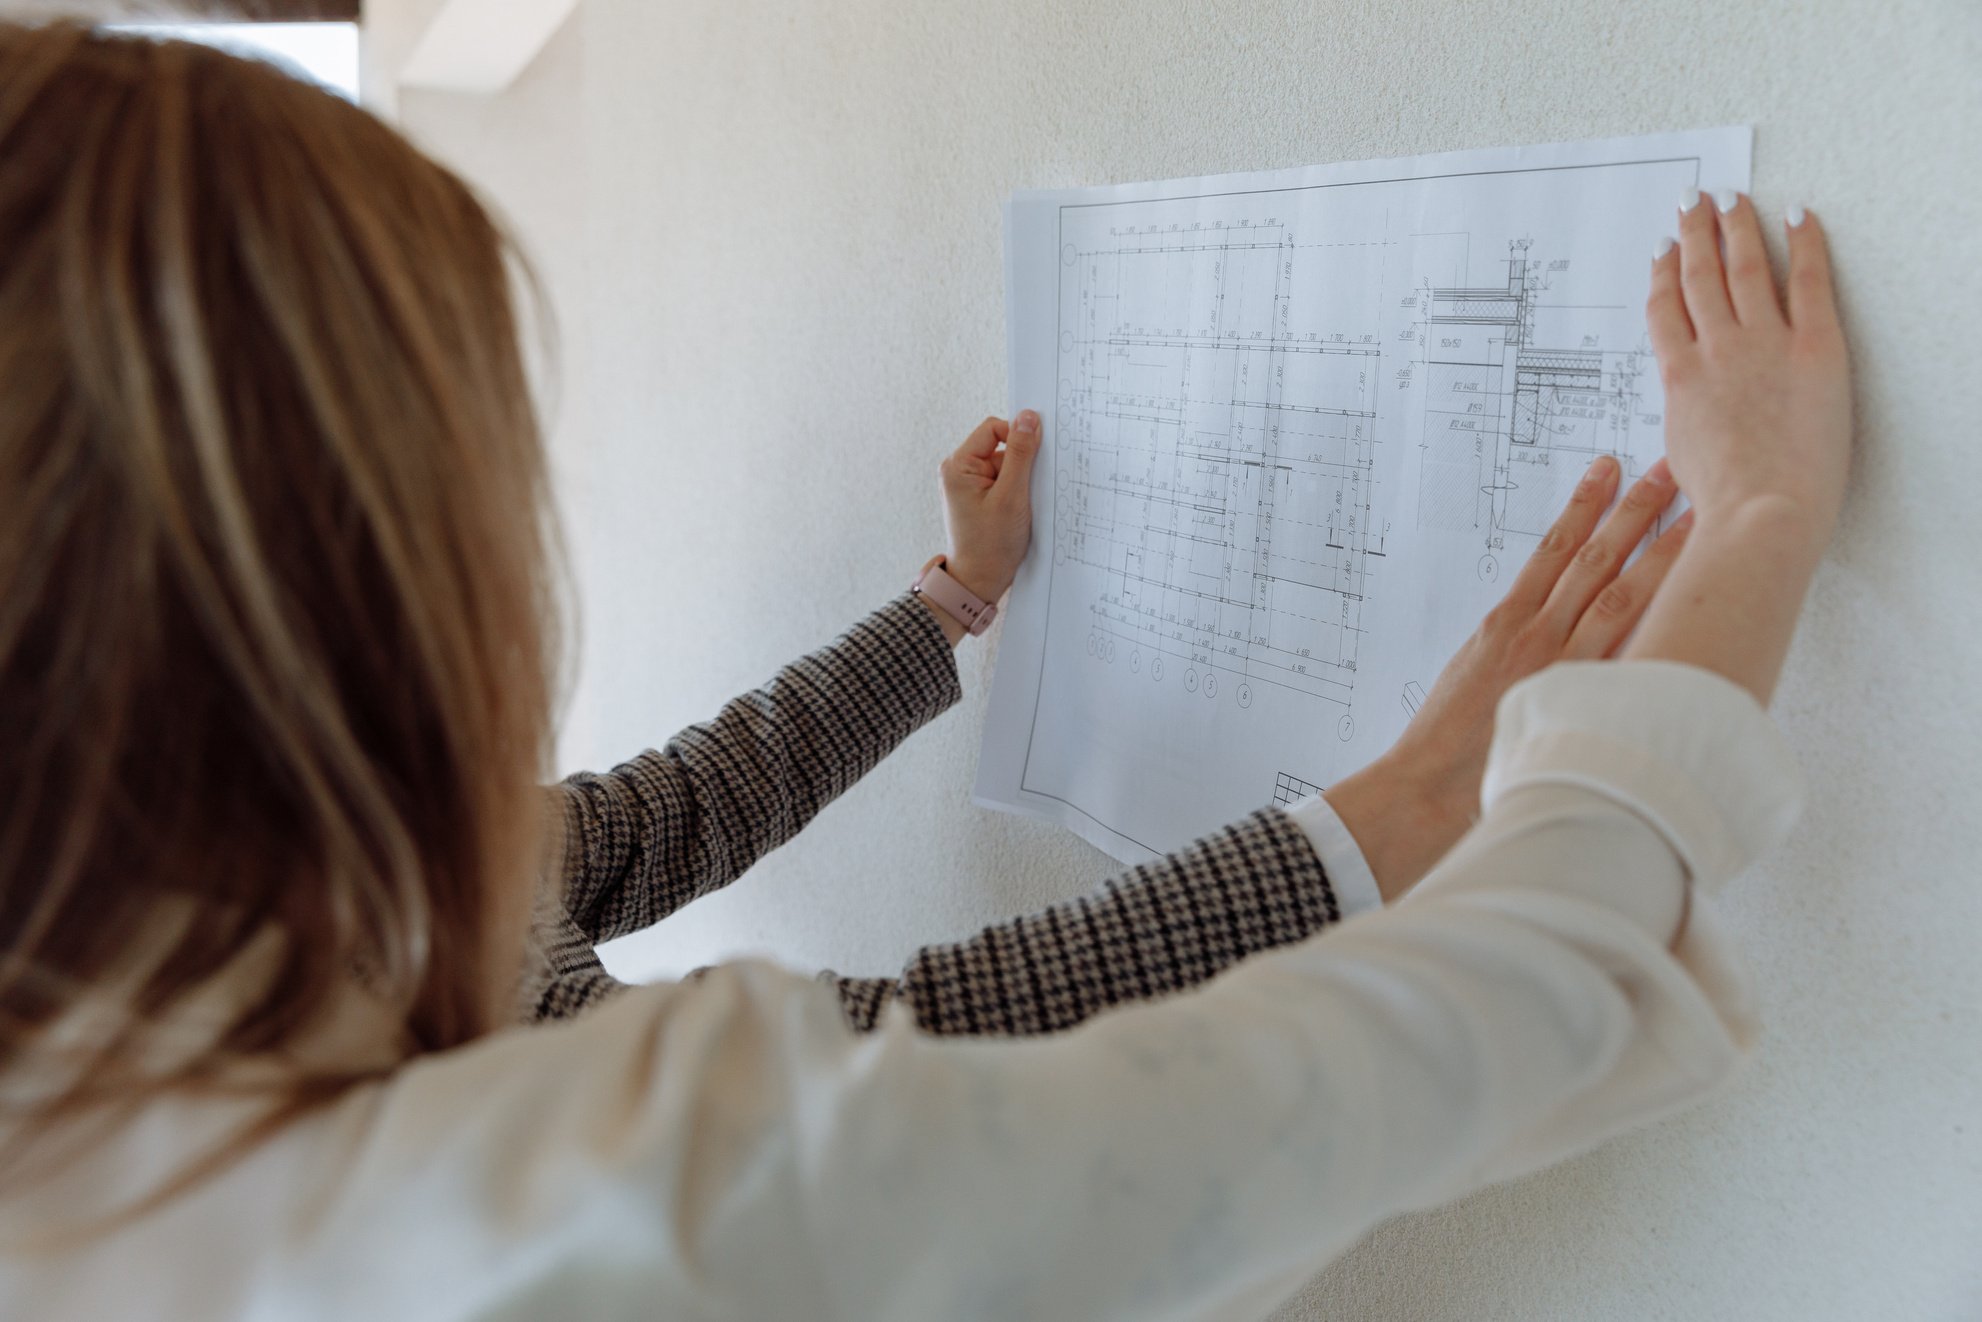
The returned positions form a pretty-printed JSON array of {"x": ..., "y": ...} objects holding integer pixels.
[{"x": 640, "y": 841}]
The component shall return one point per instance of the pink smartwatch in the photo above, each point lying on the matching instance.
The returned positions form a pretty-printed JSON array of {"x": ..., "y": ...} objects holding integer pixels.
[{"x": 958, "y": 602}]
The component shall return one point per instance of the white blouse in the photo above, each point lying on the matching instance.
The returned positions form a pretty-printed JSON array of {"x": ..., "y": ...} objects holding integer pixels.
[{"x": 731, "y": 1149}]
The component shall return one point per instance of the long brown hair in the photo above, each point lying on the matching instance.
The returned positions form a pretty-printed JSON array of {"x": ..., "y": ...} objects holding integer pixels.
[{"x": 276, "y": 614}]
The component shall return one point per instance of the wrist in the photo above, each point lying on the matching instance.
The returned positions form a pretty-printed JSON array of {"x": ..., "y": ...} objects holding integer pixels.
[
  {"x": 1776, "y": 525},
  {"x": 953, "y": 628},
  {"x": 1404, "y": 817},
  {"x": 1731, "y": 601},
  {"x": 976, "y": 579},
  {"x": 954, "y": 600}
]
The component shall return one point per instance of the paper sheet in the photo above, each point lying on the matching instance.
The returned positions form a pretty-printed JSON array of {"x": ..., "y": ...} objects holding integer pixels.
[{"x": 1302, "y": 427}]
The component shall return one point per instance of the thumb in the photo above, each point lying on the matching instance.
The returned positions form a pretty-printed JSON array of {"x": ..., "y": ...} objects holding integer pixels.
[{"x": 1021, "y": 448}]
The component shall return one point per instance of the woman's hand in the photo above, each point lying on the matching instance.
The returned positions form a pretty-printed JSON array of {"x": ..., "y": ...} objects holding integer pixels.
[
  {"x": 987, "y": 503},
  {"x": 1574, "y": 599},
  {"x": 1758, "y": 425},
  {"x": 1757, "y": 397}
]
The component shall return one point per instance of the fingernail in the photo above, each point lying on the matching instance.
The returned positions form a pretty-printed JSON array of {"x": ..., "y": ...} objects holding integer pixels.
[
  {"x": 1599, "y": 470},
  {"x": 1684, "y": 521},
  {"x": 1662, "y": 247},
  {"x": 1793, "y": 217},
  {"x": 1690, "y": 200},
  {"x": 1726, "y": 199},
  {"x": 1027, "y": 420},
  {"x": 1659, "y": 473}
]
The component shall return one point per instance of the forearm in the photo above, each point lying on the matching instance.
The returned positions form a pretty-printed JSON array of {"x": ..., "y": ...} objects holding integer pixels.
[
  {"x": 1731, "y": 601},
  {"x": 1403, "y": 820},
  {"x": 673, "y": 824},
  {"x": 1163, "y": 928}
]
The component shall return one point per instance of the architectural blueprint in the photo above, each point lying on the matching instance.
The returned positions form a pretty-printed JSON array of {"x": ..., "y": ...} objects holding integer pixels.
[{"x": 1301, "y": 428}]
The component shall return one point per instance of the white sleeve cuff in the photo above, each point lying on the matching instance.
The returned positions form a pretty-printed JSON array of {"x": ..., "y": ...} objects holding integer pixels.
[
  {"x": 1689, "y": 751},
  {"x": 1342, "y": 858}
]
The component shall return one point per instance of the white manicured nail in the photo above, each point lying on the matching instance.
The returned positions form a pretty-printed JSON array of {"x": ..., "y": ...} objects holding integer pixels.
[
  {"x": 1663, "y": 246},
  {"x": 1726, "y": 199},
  {"x": 1793, "y": 216},
  {"x": 1691, "y": 200}
]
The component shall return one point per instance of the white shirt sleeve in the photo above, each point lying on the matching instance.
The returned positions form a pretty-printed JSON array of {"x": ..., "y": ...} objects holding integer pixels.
[
  {"x": 730, "y": 1149},
  {"x": 1341, "y": 857}
]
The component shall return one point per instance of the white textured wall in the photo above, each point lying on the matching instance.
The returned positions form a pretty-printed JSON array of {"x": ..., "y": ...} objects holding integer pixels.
[{"x": 772, "y": 228}]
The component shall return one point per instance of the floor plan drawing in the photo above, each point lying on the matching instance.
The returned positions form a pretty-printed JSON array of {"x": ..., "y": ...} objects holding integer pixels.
[
  {"x": 1215, "y": 464},
  {"x": 1297, "y": 423},
  {"x": 1511, "y": 423}
]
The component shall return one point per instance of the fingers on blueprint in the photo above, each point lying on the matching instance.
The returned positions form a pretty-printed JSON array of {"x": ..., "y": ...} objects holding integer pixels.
[
  {"x": 984, "y": 441},
  {"x": 975, "y": 462},
  {"x": 1021, "y": 448},
  {"x": 1812, "y": 303},
  {"x": 1700, "y": 273},
  {"x": 1616, "y": 611},
  {"x": 1750, "y": 283},
  {"x": 1665, "y": 307},
  {"x": 979, "y": 462},
  {"x": 1692, "y": 291},
  {"x": 1571, "y": 529},
  {"x": 1591, "y": 572}
]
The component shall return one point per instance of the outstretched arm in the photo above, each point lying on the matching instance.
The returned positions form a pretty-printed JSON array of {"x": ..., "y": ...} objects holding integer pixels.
[{"x": 638, "y": 842}]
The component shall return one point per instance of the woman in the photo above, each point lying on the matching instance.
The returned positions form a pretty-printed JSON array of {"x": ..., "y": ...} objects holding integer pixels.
[{"x": 275, "y": 675}]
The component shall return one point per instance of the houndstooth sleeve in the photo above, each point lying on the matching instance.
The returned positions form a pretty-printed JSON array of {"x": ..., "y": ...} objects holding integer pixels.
[
  {"x": 647, "y": 837},
  {"x": 1164, "y": 927}
]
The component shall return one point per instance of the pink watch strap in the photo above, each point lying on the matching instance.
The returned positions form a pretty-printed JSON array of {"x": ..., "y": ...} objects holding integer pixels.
[{"x": 965, "y": 607}]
